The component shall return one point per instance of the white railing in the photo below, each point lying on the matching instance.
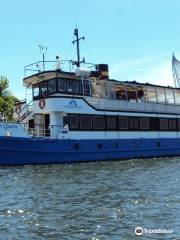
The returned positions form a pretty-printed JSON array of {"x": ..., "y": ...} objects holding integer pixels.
[
  {"x": 3, "y": 117},
  {"x": 40, "y": 131}
]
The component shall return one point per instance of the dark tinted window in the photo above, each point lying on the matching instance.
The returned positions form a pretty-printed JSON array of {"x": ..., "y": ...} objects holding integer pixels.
[
  {"x": 73, "y": 121},
  {"x": 43, "y": 88},
  {"x": 154, "y": 124},
  {"x": 134, "y": 123},
  {"x": 144, "y": 123},
  {"x": 178, "y": 124},
  {"x": 52, "y": 86},
  {"x": 85, "y": 122},
  {"x": 111, "y": 122},
  {"x": 66, "y": 120},
  {"x": 73, "y": 86},
  {"x": 36, "y": 90},
  {"x": 163, "y": 124},
  {"x": 123, "y": 123},
  {"x": 172, "y": 124},
  {"x": 99, "y": 122},
  {"x": 62, "y": 85}
]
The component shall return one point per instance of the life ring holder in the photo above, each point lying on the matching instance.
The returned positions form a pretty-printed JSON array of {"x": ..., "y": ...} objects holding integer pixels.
[{"x": 42, "y": 103}]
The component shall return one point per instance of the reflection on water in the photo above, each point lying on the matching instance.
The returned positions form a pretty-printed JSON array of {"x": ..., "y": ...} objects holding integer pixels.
[{"x": 91, "y": 200}]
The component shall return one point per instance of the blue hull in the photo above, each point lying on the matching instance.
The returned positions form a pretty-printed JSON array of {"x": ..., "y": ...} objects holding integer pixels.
[{"x": 21, "y": 151}]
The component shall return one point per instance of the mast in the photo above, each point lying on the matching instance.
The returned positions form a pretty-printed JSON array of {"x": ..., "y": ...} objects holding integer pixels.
[{"x": 77, "y": 41}]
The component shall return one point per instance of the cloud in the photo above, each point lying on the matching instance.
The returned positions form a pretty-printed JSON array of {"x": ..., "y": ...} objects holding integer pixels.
[{"x": 154, "y": 69}]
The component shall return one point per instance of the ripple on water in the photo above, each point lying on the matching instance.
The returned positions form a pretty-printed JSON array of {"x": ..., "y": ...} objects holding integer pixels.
[{"x": 89, "y": 201}]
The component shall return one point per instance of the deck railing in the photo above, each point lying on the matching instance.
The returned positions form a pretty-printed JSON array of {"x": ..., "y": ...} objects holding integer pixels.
[
  {"x": 39, "y": 131},
  {"x": 61, "y": 65}
]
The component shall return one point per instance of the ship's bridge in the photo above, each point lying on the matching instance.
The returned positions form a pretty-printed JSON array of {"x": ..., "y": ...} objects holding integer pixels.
[{"x": 75, "y": 81}]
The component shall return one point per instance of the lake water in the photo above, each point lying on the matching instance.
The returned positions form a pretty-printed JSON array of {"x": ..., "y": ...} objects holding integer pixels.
[{"x": 106, "y": 200}]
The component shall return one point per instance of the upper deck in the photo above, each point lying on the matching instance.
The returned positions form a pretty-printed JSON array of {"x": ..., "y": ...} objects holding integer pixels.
[{"x": 64, "y": 78}]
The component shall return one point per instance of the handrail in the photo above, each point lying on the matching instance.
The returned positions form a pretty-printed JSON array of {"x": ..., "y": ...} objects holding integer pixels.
[
  {"x": 58, "y": 65},
  {"x": 39, "y": 131},
  {"x": 3, "y": 117},
  {"x": 26, "y": 106}
]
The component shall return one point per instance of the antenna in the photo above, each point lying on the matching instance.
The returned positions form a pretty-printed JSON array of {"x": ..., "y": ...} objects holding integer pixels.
[
  {"x": 77, "y": 41},
  {"x": 43, "y": 50}
]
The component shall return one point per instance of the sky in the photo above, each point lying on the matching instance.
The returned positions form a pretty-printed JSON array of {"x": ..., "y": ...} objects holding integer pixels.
[{"x": 135, "y": 37}]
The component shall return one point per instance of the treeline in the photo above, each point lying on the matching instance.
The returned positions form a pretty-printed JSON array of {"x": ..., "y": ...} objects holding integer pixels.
[{"x": 7, "y": 99}]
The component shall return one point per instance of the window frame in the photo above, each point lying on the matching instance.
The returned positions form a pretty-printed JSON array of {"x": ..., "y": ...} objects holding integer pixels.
[
  {"x": 37, "y": 84},
  {"x": 53, "y": 79},
  {"x": 160, "y": 127},
  {"x": 40, "y": 88},
  {"x": 85, "y": 116},
  {"x": 140, "y": 123},
  {"x": 100, "y": 116},
  {"x": 120, "y": 128},
  {"x": 70, "y": 127},
  {"x": 111, "y": 128}
]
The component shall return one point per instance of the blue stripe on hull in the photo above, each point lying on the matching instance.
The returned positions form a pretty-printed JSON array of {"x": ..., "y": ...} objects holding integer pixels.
[{"x": 20, "y": 151}]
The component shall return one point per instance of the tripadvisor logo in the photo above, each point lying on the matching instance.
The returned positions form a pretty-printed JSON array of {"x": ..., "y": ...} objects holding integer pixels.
[{"x": 139, "y": 231}]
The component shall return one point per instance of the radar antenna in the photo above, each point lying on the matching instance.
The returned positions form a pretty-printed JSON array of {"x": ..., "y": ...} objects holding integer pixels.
[
  {"x": 43, "y": 50},
  {"x": 176, "y": 71},
  {"x": 77, "y": 41}
]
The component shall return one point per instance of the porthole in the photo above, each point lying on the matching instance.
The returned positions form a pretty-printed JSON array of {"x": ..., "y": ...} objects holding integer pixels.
[
  {"x": 115, "y": 145},
  {"x": 134, "y": 145},
  {"x": 99, "y": 146},
  {"x": 76, "y": 146}
]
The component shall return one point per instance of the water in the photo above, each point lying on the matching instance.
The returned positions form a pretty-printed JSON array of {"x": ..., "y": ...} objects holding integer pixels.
[{"x": 90, "y": 201}]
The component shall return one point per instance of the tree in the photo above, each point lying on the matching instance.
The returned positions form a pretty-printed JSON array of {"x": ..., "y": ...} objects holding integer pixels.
[{"x": 6, "y": 99}]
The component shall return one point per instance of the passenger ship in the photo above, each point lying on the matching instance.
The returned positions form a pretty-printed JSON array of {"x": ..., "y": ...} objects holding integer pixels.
[{"x": 81, "y": 115}]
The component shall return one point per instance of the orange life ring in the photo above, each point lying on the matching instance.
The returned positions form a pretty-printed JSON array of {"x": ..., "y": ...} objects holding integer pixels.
[{"x": 42, "y": 103}]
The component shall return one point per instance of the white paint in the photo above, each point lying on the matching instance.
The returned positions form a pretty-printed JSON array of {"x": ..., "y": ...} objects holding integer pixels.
[
  {"x": 12, "y": 130},
  {"x": 63, "y": 105},
  {"x": 117, "y": 135},
  {"x": 56, "y": 123}
]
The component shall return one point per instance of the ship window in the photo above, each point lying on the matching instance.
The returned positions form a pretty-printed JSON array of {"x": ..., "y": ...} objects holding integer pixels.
[
  {"x": 120, "y": 92},
  {"x": 160, "y": 95},
  {"x": 169, "y": 95},
  {"x": 144, "y": 123},
  {"x": 151, "y": 94},
  {"x": 154, "y": 124},
  {"x": 163, "y": 124},
  {"x": 66, "y": 120},
  {"x": 172, "y": 124},
  {"x": 123, "y": 123},
  {"x": 73, "y": 121},
  {"x": 52, "y": 86},
  {"x": 131, "y": 93},
  {"x": 43, "y": 88},
  {"x": 73, "y": 86},
  {"x": 111, "y": 122},
  {"x": 178, "y": 122},
  {"x": 134, "y": 123},
  {"x": 99, "y": 122},
  {"x": 177, "y": 96},
  {"x": 85, "y": 88},
  {"x": 61, "y": 85},
  {"x": 85, "y": 122},
  {"x": 36, "y": 90},
  {"x": 141, "y": 93}
]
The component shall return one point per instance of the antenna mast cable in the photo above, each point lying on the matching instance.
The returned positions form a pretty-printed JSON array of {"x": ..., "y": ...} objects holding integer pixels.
[{"x": 77, "y": 41}]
